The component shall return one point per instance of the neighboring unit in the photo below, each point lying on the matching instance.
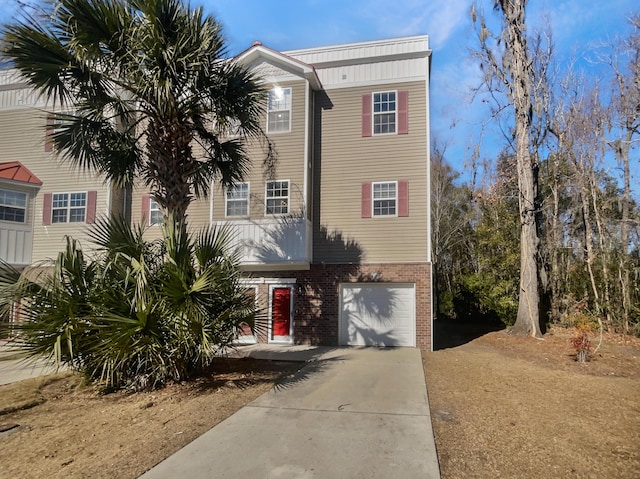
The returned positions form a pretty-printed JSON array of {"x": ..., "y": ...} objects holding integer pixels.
[{"x": 334, "y": 240}]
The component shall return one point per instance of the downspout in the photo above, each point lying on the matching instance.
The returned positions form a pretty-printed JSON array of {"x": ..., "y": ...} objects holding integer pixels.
[
  {"x": 109, "y": 212},
  {"x": 211, "y": 203},
  {"x": 429, "y": 258},
  {"x": 305, "y": 187}
]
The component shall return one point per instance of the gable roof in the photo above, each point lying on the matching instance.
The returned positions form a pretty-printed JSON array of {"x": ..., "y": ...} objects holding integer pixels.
[
  {"x": 258, "y": 51},
  {"x": 16, "y": 171}
]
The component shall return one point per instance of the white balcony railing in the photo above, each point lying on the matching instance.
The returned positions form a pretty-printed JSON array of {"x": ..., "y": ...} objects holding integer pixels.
[
  {"x": 272, "y": 243},
  {"x": 15, "y": 243}
]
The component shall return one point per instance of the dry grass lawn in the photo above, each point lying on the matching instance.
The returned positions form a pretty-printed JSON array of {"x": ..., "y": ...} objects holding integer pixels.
[
  {"x": 67, "y": 430},
  {"x": 505, "y": 407}
]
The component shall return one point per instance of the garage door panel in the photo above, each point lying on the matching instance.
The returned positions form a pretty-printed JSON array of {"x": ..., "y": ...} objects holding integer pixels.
[{"x": 377, "y": 314}]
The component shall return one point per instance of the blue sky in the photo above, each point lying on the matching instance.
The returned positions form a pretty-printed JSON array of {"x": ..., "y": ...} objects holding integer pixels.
[{"x": 578, "y": 27}]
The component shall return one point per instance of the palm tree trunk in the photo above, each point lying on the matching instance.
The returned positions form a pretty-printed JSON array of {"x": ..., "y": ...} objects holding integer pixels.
[{"x": 172, "y": 168}]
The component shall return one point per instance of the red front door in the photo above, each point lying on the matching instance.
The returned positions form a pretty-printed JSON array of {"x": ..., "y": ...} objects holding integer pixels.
[{"x": 281, "y": 312}]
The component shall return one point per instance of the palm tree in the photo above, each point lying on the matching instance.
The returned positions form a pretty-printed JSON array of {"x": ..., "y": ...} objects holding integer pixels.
[{"x": 151, "y": 90}]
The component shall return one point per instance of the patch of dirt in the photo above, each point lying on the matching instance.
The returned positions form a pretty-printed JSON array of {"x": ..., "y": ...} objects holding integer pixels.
[
  {"x": 71, "y": 431},
  {"x": 507, "y": 407}
]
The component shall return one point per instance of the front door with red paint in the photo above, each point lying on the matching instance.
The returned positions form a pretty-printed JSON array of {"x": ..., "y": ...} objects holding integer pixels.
[{"x": 281, "y": 312}]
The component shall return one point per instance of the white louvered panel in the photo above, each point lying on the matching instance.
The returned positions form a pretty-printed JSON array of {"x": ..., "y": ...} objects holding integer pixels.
[
  {"x": 271, "y": 241},
  {"x": 15, "y": 245}
]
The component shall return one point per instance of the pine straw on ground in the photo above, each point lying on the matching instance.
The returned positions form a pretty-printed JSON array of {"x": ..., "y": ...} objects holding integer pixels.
[
  {"x": 68, "y": 430},
  {"x": 508, "y": 407}
]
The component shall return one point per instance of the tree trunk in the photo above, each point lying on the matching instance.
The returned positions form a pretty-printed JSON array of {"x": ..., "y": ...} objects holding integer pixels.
[
  {"x": 172, "y": 168},
  {"x": 528, "y": 319},
  {"x": 622, "y": 155},
  {"x": 519, "y": 65},
  {"x": 556, "y": 241}
]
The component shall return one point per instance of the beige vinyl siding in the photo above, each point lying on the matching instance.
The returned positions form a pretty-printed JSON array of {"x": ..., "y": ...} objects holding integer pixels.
[
  {"x": 289, "y": 164},
  {"x": 345, "y": 159},
  {"x": 197, "y": 214},
  {"x": 22, "y": 133}
]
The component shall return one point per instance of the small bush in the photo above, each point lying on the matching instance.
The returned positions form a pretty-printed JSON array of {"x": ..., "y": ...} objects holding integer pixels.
[
  {"x": 141, "y": 313},
  {"x": 584, "y": 324},
  {"x": 582, "y": 344}
]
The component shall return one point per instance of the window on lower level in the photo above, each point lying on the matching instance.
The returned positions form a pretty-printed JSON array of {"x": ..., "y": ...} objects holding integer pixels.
[
  {"x": 277, "y": 197},
  {"x": 155, "y": 213},
  {"x": 237, "y": 201},
  {"x": 382, "y": 199},
  {"x": 13, "y": 206},
  {"x": 68, "y": 207},
  {"x": 385, "y": 198}
]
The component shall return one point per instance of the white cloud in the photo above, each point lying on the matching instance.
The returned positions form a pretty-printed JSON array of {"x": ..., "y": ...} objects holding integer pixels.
[
  {"x": 441, "y": 22},
  {"x": 415, "y": 17}
]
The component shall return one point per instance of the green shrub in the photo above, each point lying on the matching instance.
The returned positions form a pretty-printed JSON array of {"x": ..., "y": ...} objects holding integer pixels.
[
  {"x": 138, "y": 315},
  {"x": 488, "y": 297}
]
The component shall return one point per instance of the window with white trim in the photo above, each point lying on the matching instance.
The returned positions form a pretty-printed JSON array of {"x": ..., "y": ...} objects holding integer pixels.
[
  {"x": 155, "y": 213},
  {"x": 68, "y": 207},
  {"x": 279, "y": 110},
  {"x": 277, "y": 197},
  {"x": 385, "y": 198},
  {"x": 384, "y": 112},
  {"x": 229, "y": 127},
  {"x": 237, "y": 202},
  {"x": 13, "y": 206}
]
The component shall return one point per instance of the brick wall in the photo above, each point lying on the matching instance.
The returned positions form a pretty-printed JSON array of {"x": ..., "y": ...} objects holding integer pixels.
[{"x": 316, "y": 297}]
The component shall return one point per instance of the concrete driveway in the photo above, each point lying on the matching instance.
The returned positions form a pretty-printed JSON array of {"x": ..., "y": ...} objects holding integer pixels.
[{"x": 349, "y": 413}]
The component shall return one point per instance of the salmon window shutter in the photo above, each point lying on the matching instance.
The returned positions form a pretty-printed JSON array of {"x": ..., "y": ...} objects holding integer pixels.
[
  {"x": 48, "y": 141},
  {"x": 46, "y": 209},
  {"x": 366, "y": 114},
  {"x": 403, "y": 112},
  {"x": 366, "y": 200},
  {"x": 146, "y": 206},
  {"x": 92, "y": 197},
  {"x": 403, "y": 198}
]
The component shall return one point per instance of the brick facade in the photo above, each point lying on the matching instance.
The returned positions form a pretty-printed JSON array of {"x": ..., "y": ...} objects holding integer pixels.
[{"x": 316, "y": 297}]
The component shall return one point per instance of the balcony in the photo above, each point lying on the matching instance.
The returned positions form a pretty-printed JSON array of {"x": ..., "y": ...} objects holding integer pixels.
[
  {"x": 272, "y": 244},
  {"x": 15, "y": 243}
]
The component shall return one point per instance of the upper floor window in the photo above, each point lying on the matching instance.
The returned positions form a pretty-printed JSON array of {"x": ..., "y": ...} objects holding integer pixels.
[
  {"x": 279, "y": 110},
  {"x": 237, "y": 203},
  {"x": 68, "y": 207},
  {"x": 384, "y": 112},
  {"x": 155, "y": 213},
  {"x": 54, "y": 126},
  {"x": 13, "y": 206},
  {"x": 277, "y": 197},
  {"x": 385, "y": 198}
]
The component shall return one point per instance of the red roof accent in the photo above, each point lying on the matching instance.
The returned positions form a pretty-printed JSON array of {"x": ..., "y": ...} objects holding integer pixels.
[{"x": 16, "y": 171}]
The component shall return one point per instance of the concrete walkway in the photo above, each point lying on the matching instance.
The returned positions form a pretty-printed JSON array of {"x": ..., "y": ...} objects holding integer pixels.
[
  {"x": 14, "y": 370},
  {"x": 349, "y": 413}
]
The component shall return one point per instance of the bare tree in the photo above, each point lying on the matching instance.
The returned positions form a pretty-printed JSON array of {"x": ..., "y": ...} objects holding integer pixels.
[
  {"x": 506, "y": 60},
  {"x": 450, "y": 211},
  {"x": 624, "y": 128}
]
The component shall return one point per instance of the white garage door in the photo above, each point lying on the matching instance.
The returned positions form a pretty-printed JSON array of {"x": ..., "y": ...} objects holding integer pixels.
[{"x": 377, "y": 314}]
